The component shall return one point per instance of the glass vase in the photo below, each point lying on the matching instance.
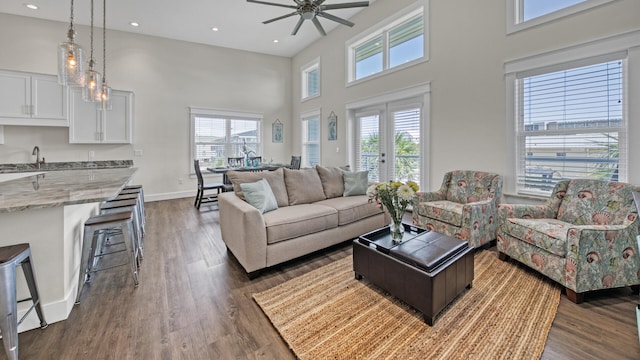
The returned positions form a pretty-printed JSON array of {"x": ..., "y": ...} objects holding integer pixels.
[{"x": 397, "y": 231}]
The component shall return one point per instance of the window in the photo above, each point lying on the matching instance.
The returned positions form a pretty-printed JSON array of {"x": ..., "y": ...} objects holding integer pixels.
[
  {"x": 571, "y": 123},
  {"x": 310, "y": 139},
  {"x": 311, "y": 80},
  {"x": 522, "y": 14},
  {"x": 387, "y": 47},
  {"x": 217, "y": 135}
]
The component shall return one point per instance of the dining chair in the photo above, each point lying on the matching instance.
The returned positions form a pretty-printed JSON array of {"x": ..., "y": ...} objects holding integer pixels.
[
  {"x": 295, "y": 162},
  {"x": 255, "y": 160},
  {"x": 202, "y": 187},
  {"x": 235, "y": 161}
]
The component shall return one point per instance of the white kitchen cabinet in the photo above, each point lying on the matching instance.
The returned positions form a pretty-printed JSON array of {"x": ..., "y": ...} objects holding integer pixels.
[
  {"x": 30, "y": 99},
  {"x": 89, "y": 124}
]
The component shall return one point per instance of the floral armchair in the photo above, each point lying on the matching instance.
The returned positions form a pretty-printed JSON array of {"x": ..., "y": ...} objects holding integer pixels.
[
  {"x": 583, "y": 237},
  {"x": 464, "y": 207}
]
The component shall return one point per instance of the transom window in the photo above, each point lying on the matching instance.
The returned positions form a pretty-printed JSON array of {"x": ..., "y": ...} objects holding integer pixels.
[
  {"x": 522, "y": 14},
  {"x": 217, "y": 135},
  {"x": 401, "y": 41},
  {"x": 311, "y": 80},
  {"x": 571, "y": 124}
]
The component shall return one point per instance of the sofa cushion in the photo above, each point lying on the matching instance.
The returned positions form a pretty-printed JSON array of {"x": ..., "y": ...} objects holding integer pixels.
[
  {"x": 303, "y": 186},
  {"x": 467, "y": 186},
  {"x": 547, "y": 234},
  {"x": 274, "y": 178},
  {"x": 332, "y": 181},
  {"x": 355, "y": 183},
  {"x": 294, "y": 221},
  {"x": 443, "y": 210},
  {"x": 351, "y": 208},
  {"x": 259, "y": 195}
]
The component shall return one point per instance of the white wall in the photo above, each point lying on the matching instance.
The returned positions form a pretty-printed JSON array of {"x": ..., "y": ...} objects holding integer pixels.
[
  {"x": 468, "y": 47},
  {"x": 167, "y": 77}
]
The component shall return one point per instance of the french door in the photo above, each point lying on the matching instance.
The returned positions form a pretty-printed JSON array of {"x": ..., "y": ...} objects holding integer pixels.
[{"x": 388, "y": 141}]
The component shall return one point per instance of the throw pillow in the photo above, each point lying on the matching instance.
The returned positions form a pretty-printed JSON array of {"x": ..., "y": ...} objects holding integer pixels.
[
  {"x": 355, "y": 183},
  {"x": 274, "y": 178},
  {"x": 259, "y": 195},
  {"x": 303, "y": 186},
  {"x": 332, "y": 181}
]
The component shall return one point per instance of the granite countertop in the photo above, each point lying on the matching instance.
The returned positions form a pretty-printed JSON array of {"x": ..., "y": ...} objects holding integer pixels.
[
  {"x": 58, "y": 166},
  {"x": 47, "y": 189}
]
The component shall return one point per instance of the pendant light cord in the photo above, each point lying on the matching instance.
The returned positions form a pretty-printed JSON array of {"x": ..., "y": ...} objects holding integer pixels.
[
  {"x": 104, "y": 41},
  {"x": 91, "y": 61}
]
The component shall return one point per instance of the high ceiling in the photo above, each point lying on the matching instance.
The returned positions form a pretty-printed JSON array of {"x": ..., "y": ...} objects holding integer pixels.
[{"x": 239, "y": 23}]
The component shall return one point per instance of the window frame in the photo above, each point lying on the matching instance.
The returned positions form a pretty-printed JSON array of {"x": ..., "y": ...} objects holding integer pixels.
[
  {"x": 304, "y": 117},
  {"x": 228, "y": 116},
  {"x": 304, "y": 71},
  {"x": 515, "y": 14},
  {"x": 382, "y": 29},
  {"x": 627, "y": 45}
]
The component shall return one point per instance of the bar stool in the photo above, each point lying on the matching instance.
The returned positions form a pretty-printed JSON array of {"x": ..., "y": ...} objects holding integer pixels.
[
  {"x": 137, "y": 189},
  {"x": 139, "y": 209},
  {"x": 10, "y": 258},
  {"x": 115, "y": 206},
  {"x": 94, "y": 228}
]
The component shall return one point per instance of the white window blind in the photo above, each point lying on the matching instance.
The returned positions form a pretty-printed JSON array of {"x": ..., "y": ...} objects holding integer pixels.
[
  {"x": 407, "y": 145},
  {"x": 311, "y": 80},
  {"x": 367, "y": 153},
  {"x": 310, "y": 140},
  {"x": 571, "y": 124},
  {"x": 219, "y": 136}
]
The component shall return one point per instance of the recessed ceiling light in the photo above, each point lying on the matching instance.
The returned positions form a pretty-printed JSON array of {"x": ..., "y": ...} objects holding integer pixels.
[
  {"x": 134, "y": 24},
  {"x": 31, "y": 6},
  {"x": 214, "y": 29},
  {"x": 276, "y": 41}
]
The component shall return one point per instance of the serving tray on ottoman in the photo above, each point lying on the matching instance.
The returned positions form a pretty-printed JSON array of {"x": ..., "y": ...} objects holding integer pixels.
[{"x": 427, "y": 270}]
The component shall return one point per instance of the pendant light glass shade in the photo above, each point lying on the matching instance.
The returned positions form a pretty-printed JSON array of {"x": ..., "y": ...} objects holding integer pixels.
[
  {"x": 105, "y": 96},
  {"x": 92, "y": 88},
  {"x": 93, "y": 79},
  {"x": 70, "y": 59}
]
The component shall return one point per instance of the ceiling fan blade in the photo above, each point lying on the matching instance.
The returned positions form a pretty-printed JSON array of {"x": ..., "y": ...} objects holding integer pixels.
[
  {"x": 319, "y": 26},
  {"x": 273, "y": 4},
  {"x": 297, "y": 27},
  {"x": 319, "y": 2},
  {"x": 336, "y": 19},
  {"x": 280, "y": 17},
  {"x": 343, "y": 6}
]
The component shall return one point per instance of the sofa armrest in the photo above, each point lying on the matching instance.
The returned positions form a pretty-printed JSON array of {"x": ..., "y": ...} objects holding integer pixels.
[
  {"x": 602, "y": 256},
  {"x": 243, "y": 231}
]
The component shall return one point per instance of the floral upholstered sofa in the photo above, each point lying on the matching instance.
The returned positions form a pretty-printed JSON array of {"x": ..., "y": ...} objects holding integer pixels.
[
  {"x": 583, "y": 237},
  {"x": 464, "y": 206}
]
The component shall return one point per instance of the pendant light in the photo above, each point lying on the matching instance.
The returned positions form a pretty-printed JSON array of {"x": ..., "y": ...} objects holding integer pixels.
[
  {"x": 91, "y": 89},
  {"x": 105, "y": 90},
  {"x": 70, "y": 59}
]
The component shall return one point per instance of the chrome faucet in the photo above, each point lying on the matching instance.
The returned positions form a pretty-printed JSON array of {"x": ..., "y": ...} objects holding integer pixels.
[{"x": 36, "y": 152}]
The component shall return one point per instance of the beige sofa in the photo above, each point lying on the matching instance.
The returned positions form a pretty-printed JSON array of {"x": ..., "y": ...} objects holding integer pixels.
[{"x": 311, "y": 214}]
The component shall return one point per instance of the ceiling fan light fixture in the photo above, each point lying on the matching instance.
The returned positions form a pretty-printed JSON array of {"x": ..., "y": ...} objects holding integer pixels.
[{"x": 311, "y": 10}]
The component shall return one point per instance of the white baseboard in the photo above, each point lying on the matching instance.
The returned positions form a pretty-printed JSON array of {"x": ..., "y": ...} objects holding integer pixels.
[
  {"x": 53, "y": 312},
  {"x": 169, "y": 196}
]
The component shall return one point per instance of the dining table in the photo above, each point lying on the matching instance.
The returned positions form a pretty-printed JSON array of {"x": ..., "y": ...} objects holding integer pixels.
[{"x": 257, "y": 168}]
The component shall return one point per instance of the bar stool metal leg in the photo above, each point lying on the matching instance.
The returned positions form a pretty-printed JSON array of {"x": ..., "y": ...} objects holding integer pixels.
[{"x": 10, "y": 258}]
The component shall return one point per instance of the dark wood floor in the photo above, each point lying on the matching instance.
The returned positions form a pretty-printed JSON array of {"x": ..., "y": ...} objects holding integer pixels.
[{"x": 194, "y": 302}]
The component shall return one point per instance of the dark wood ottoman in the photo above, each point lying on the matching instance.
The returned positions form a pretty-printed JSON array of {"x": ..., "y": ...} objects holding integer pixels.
[{"x": 427, "y": 270}]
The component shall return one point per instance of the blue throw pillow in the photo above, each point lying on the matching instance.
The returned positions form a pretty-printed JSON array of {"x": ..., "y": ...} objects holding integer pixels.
[
  {"x": 259, "y": 195},
  {"x": 355, "y": 183}
]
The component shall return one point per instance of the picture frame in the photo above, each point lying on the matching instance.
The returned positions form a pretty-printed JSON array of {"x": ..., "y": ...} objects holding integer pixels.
[
  {"x": 332, "y": 127},
  {"x": 277, "y": 135}
]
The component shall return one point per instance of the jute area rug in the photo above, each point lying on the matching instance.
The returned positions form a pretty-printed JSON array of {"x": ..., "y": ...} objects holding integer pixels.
[{"x": 327, "y": 314}]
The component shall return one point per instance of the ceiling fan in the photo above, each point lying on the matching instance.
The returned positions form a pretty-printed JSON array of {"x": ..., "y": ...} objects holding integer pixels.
[{"x": 310, "y": 10}]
